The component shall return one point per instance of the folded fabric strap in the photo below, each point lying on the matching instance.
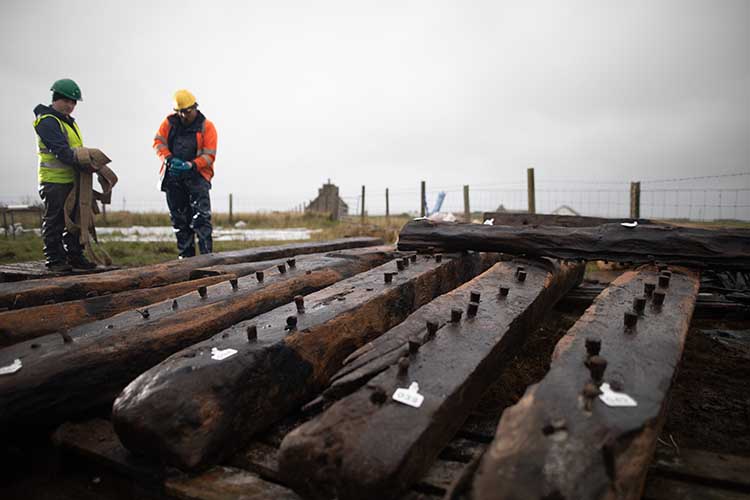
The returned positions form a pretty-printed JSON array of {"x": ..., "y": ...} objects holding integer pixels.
[{"x": 79, "y": 217}]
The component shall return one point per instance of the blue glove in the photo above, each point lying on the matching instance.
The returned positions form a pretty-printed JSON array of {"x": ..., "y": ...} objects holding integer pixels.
[{"x": 178, "y": 167}]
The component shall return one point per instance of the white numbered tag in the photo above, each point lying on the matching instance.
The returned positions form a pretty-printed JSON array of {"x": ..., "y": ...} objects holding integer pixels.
[
  {"x": 218, "y": 354},
  {"x": 410, "y": 396},
  {"x": 614, "y": 398},
  {"x": 11, "y": 368}
]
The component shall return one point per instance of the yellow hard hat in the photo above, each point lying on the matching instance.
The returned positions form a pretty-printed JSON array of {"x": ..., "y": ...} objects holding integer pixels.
[{"x": 183, "y": 99}]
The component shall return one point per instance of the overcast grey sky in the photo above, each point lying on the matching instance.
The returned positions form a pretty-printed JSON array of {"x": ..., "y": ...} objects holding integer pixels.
[{"x": 387, "y": 93}]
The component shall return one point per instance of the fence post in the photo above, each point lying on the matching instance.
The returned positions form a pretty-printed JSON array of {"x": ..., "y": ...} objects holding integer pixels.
[
  {"x": 387, "y": 208},
  {"x": 362, "y": 216},
  {"x": 230, "y": 208},
  {"x": 467, "y": 207},
  {"x": 531, "y": 190},
  {"x": 635, "y": 200},
  {"x": 423, "y": 200}
]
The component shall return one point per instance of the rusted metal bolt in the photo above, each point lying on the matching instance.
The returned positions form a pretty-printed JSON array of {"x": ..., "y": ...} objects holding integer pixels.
[
  {"x": 659, "y": 298},
  {"x": 291, "y": 322},
  {"x": 631, "y": 319},
  {"x": 593, "y": 346},
  {"x": 639, "y": 304},
  {"x": 259, "y": 276},
  {"x": 519, "y": 269},
  {"x": 414, "y": 347},
  {"x": 403, "y": 366},
  {"x": 405, "y": 260},
  {"x": 292, "y": 263},
  {"x": 597, "y": 365},
  {"x": 252, "y": 333},
  {"x": 456, "y": 315},
  {"x": 521, "y": 276},
  {"x": 235, "y": 284},
  {"x": 472, "y": 309},
  {"x": 145, "y": 314},
  {"x": 438, "y": 257},
  {"x": 648, "y": 288},
  {"x": 663, "y": 281},
  {"x": 388, "y": 277},
  {"x": 175, "y": 305},
  {"x": 299, "y": 301},
  {"x": 662, "y": 267},
  {"x": 66, "y": 337},
  {"x": 432, "y": 329},
  {"x": 504, "y": 291},
  {"x": 413, "y": 258},
  {"x": 281, "y": 268},
  {"x": 378, "y": 396},
  {"x": 590, "y": 392},
  {"x": 400, "y": 265},
  {"x": 474, "y": 296},
  {"x": 110, "y": 326},
  {"x": 203, "y": 291},
  {"x": 667, "y": 273}
]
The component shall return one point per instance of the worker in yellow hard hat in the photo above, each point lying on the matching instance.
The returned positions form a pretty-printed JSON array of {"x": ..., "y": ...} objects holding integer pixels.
[{"x": 186, "y": 145}]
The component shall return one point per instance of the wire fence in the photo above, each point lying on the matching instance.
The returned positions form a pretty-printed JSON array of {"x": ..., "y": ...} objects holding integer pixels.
[{"x": 658, "y": 199}]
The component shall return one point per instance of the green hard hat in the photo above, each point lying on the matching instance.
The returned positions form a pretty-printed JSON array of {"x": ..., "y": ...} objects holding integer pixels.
[{"x": 68, "y": 88}]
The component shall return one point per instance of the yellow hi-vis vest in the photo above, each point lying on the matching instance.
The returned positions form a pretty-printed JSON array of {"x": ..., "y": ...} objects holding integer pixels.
[{"x": 51, "y": 169}]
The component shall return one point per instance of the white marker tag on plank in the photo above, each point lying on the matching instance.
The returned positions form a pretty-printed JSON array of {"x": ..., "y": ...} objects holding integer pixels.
[
  {"x": 629, "y": 224},
  {"x": 218, "y": 354},
  {"x": 410, "y": 396},
  {"x": 11, "y": 368},
  {"x": 613, "y": 398}
]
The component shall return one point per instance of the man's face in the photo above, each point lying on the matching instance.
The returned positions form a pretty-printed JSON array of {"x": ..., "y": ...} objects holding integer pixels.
[
  {"x": 187, "y": 115},
  {"x": 64, "y": 106}
]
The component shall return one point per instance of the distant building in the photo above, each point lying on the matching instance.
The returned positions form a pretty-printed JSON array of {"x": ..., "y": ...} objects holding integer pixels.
[{"x": 329, "y": 201}]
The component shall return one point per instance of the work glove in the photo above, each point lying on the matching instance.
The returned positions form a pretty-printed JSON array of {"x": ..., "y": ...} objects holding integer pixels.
[{"x": 178, "y": 167}]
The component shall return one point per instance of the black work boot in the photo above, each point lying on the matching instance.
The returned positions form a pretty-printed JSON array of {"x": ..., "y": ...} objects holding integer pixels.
[
  {"x": 80, "y": 262},
  {"x": 58, "y": 266}
]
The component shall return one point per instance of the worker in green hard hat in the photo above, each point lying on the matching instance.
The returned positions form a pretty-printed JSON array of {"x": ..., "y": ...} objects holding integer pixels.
[{"x": 57, "y": 136}]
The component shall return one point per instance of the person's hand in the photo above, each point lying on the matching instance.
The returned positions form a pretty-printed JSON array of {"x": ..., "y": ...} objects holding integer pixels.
[{"x": 178, "y": 167}]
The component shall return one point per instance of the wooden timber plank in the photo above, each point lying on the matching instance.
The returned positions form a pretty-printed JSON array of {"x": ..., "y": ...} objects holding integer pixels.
[
  {"x": 193, "y": 410},
  {"x": 557, "y": 443},
  {"x": 35, "y": 292},
  {"x": 729, "y": 471},
  {"x": 700, "y": 248},
  {"x": 526, "y": 219},
  {"x": 20, "y": 271},
  {"x": 344, "y": 448},
  {"x": 240, "y": 269},
  {"x": 28, "y": 323},
  {"x": 226, "y": 483},
  {"x": 58, "y": 379},
  {"x": 665, "y": 488}
]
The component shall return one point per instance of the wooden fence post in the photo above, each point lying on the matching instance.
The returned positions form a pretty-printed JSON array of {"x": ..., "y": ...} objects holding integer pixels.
[
  {"x": 635, "y": 200},
  {"x": 423, "y": 200},
  {"x": 531, "y": 190},
  {"x": 362, "y": 216},
  {"x": 387, "y": 208},
  {"x": 467, "y": 207},
  {"x": 230, "y": 208}
]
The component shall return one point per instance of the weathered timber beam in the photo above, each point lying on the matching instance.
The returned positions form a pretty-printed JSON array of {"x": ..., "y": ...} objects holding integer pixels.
[
  {"x": 713, "y": 248},
  {"x": 28, "y": 323},
  {"x": 192, "y": 410},
  {"x": 35, "y": 292},
  {"x": 526, "y": 219},
  {"x": 368, "y": 446},
  {"x": 561, "y": 440},
  {"x": 64, "y": 375},
  {"x": 226, "y": 483}
]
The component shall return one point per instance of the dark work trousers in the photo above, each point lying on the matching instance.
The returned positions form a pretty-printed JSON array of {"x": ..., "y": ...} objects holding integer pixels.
[
  {"x": 190, "y": 210},
  {"x": 58, "y": 241}
]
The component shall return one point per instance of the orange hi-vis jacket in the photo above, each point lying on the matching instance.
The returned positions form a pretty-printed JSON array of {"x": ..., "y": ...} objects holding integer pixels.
[{"x": 205, "y": 155}]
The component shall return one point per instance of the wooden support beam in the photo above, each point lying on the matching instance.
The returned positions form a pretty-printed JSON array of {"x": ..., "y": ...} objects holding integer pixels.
[
  {"x": 193, "y": 409},
  {"x": 226, "y": 483},
  {"x": 64, "y": 375},
  {"x": 524, "y": 219},
  {"x": 713, "y": 248},
  {"x": 368, "y": 446},
  {"x": 36, "y": 292},
  {"x": 561, "y": 440},
  {"x": 18, "y": 325}
]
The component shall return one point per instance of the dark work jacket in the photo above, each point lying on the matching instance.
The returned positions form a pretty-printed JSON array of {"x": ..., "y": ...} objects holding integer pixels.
[
  {"x": 182, "y": 140},
  {"x": 52, "y": 135}
]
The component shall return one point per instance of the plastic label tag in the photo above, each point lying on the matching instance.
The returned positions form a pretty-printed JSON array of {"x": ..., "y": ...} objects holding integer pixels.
[
  {"x": 629, "y": 224},
  {"x": 11, "y": 368},
  {"x": 410, "y": 396},
  {"x": 218, "y": 354},
  {"x": 615, "y": 399}
]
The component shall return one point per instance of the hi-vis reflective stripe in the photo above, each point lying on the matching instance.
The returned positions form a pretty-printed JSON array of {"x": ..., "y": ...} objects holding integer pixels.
[
  {"x": 54, "y": 163},
  {"x": 160, "y": 146},
  {"x": 209, "y": 151},
  {"x": 209, "y": 159},
  {"x": 161, "y": 138}
]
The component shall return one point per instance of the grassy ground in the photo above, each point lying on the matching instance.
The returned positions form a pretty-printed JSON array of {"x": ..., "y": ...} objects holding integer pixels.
[{"x": 28, "y": 247}]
